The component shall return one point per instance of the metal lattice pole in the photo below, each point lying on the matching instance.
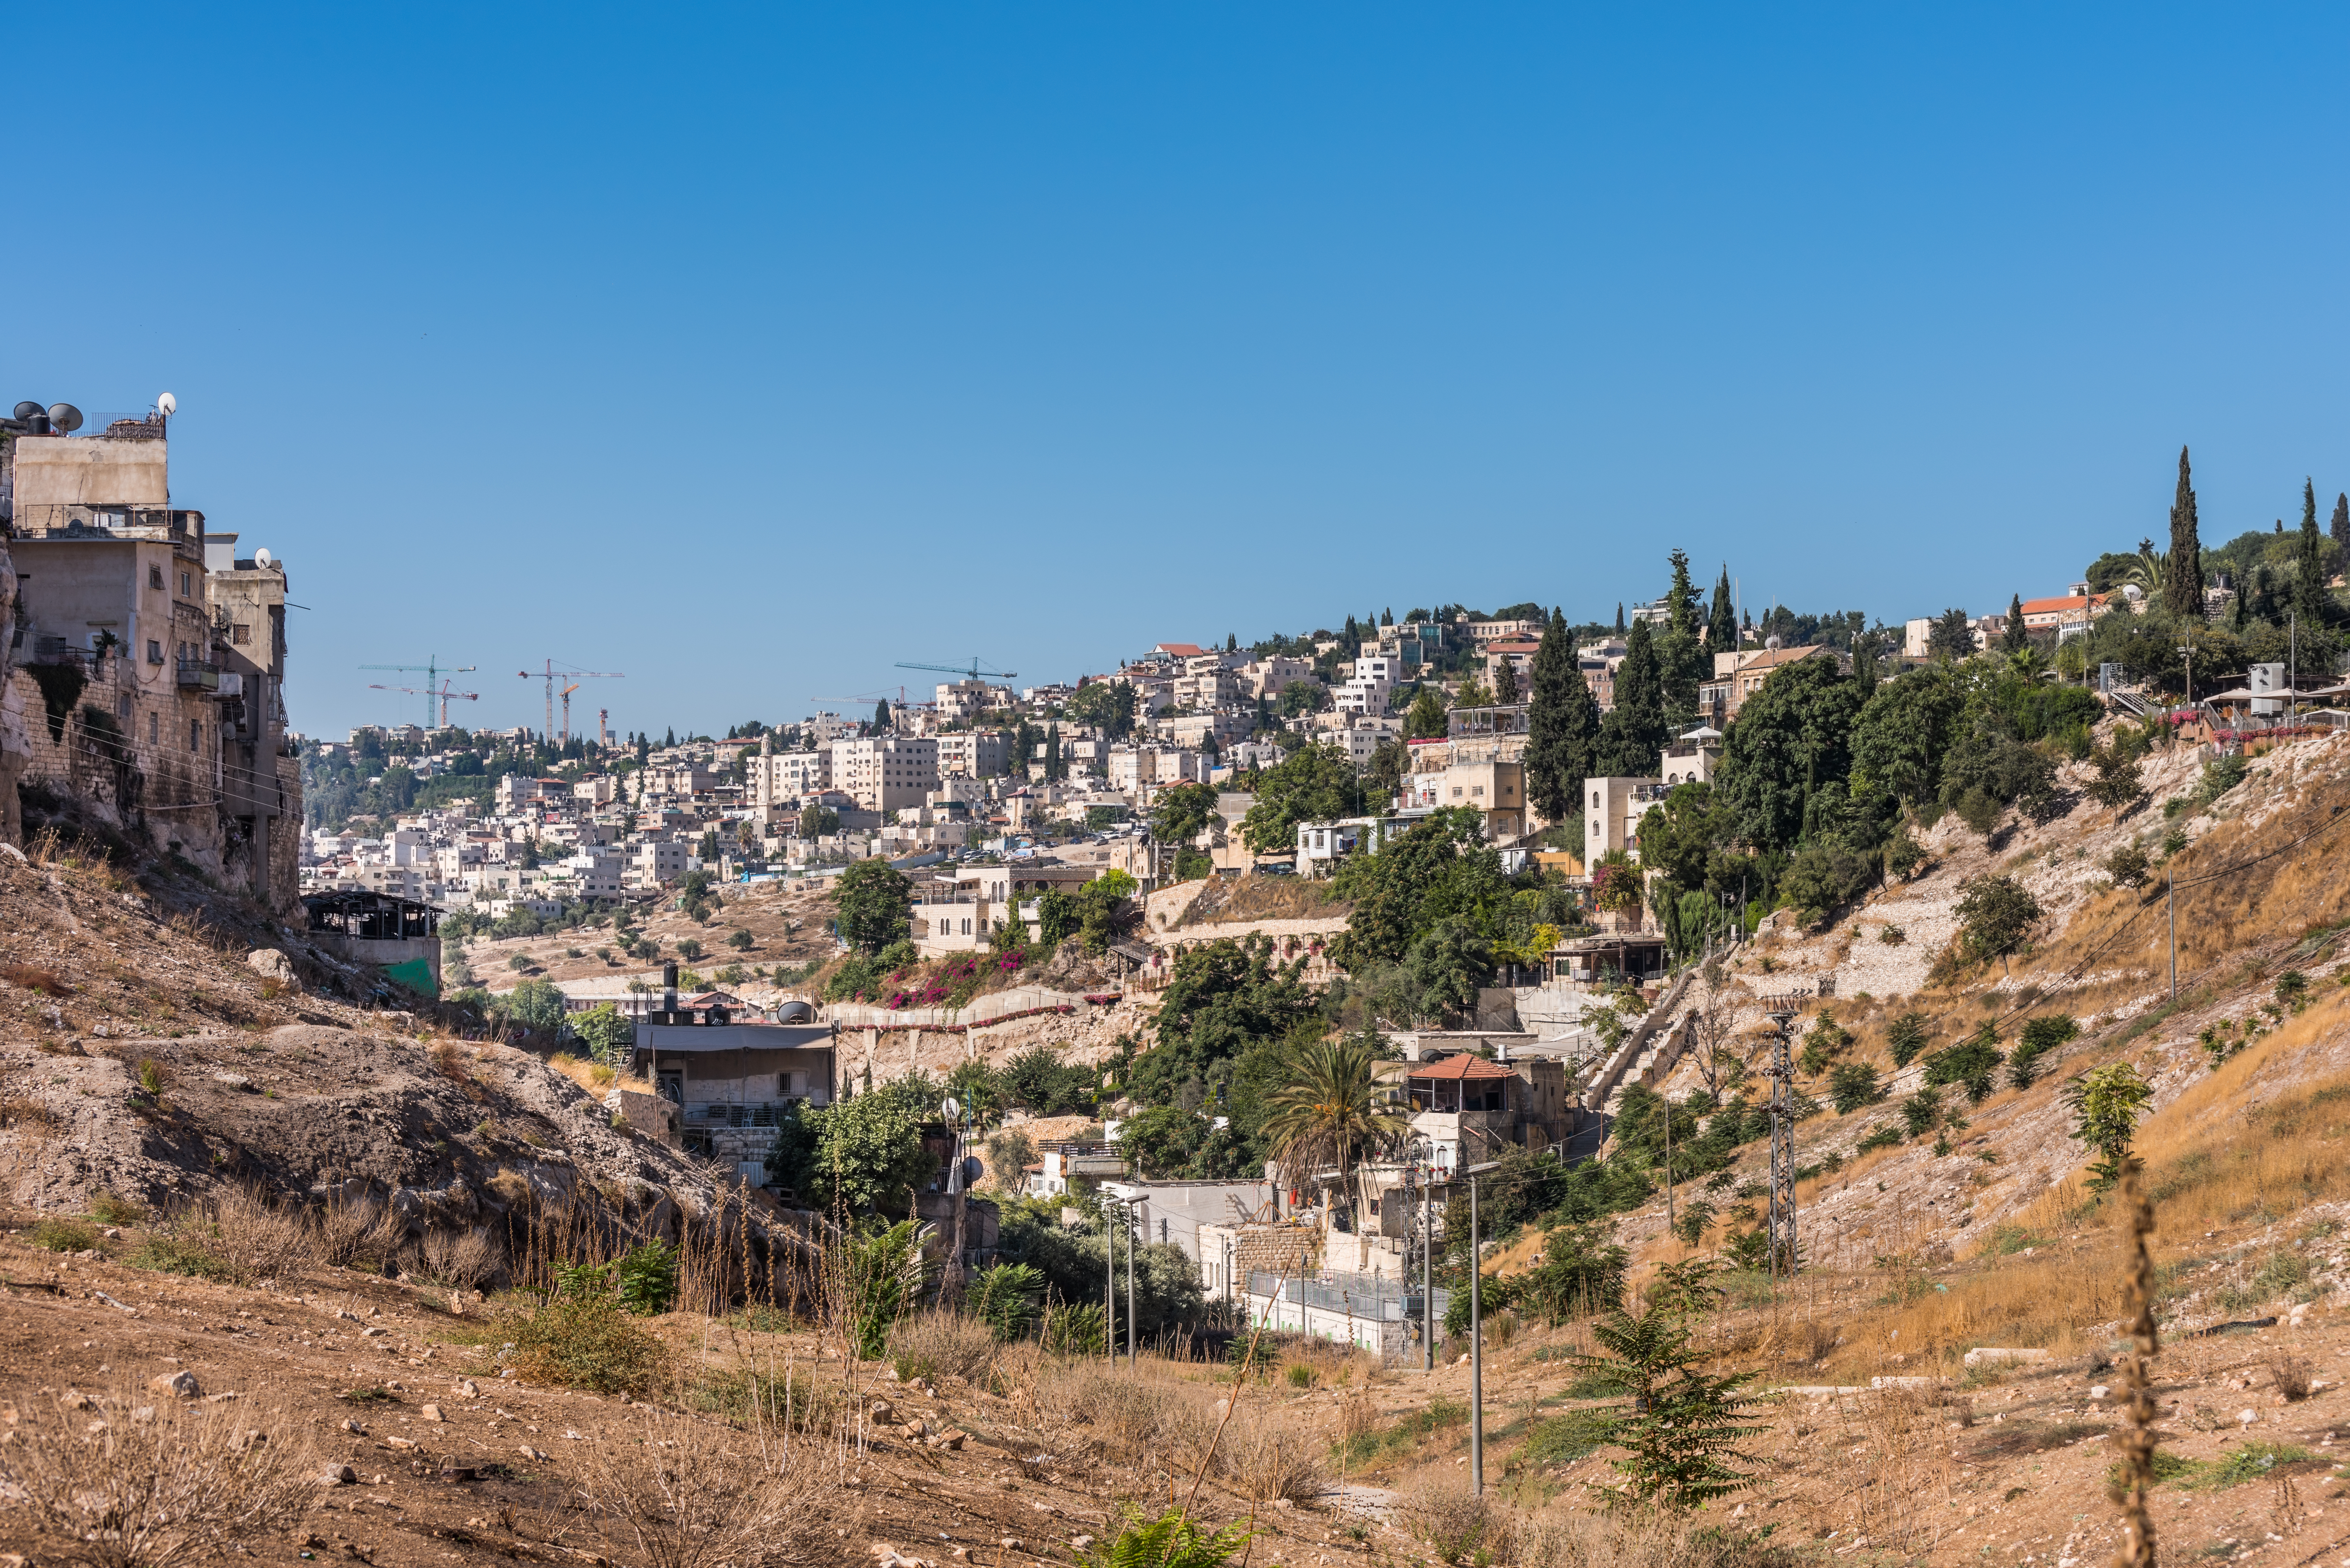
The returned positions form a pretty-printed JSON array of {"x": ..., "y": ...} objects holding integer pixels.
[{"x": 1781, "y": 1074}]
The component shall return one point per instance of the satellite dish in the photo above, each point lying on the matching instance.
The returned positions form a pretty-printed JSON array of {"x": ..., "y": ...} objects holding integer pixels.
[
  {"x": 261, "y": 557},
  {"x": 952, "y": 1110},
  {"x": 1772, "y": 643},
  {"x": 65, "y": 417},
  {"x": 167, "y": 405},
  {"x": 29, "y": 410}
]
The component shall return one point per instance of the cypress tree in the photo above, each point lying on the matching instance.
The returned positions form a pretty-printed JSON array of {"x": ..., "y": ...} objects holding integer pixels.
[
  {"x": 2183, "y": 590},
  {"x": 2341, "y": 529},
  {"x": 882, "y": 717},
  {"x": 2309, "y": 563},
  {"x": 1680, "y": 660},
  {"x": 2014, "y": 640},
  {"x": 1561, "y": 719},
  {"x": 1619, "y": 617},
  {"x": 1632, "y": 735},
  {"x": 1054, "y": 769},
  {"x": 1721, "y": 626}
]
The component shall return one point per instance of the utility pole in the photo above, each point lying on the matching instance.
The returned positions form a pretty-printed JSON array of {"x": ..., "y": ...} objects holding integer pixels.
[
  {"x": 1427, "y": 1278},
  {"x": 2170, "y": 905},
  {"x": 1126, "y": 1223},
  {"x": 1476, "y": 1337},
  {"x": 1781, "y": 1074},
  {"x": 1110, "y": 1288}
]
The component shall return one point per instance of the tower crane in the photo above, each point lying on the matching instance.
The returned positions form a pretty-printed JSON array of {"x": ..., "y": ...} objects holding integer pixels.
[
  {"x": 444, "y": 694},
  {"x": 973, "y": 673},
  {"x": 551, "y": 673},
  {"x": 432, "y": 670}
]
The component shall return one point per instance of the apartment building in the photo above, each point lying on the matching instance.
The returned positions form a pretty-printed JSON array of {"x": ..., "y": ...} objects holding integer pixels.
[
  {"x": 975, "y": 754},
  {"x": 1485, "y": 632},
  {"x": 884, "y": 773},
  {"x": 147, "y": 656},
  {"x": 1470, "y": 775},
  {"x": 1612, "y": 810},
  {"x": 780, "y": 776}
]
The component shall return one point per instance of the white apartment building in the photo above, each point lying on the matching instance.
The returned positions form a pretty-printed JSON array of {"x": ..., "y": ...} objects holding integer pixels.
[
  {"x": 884, "y": 773},
  {"x": 777, "y": 777},
  {"x": 1612, "y": 810},
  {"x": 975, "y": 754},
  {"x": 1133, "y": 768},
  {"x": 653, "y": 865},
  {"x": 1270, "y": 676},
  {"x": 1365, "y": 690},
  {"x": 596, "y": 873},
  {"x": 1207, "y": 689}
]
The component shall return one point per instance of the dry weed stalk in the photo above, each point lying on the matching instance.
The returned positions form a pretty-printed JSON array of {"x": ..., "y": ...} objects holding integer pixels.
[
  {"x": 2290, "y": 1374},
  {"x": 2135, "y": 1437},
  {"x": 688, "y": 1493},
  {"x": 154, "y": 1485}
]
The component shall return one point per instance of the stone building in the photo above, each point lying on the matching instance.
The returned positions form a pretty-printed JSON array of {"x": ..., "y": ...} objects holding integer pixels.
[{"x": 142, "y": 661}]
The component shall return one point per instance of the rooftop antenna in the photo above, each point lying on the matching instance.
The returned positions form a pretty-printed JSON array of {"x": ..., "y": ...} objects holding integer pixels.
[{"x": 433, "y": 669}]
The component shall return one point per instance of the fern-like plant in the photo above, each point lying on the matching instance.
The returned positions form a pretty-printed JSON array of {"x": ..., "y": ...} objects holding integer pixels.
[
  {"x": 1172, "y": 1540},
  {"x": 1681, "y": 1429},
  {"x": 1004, "y": 1298}
]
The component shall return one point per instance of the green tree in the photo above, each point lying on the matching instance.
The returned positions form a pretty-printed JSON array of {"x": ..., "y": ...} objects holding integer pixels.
[
  {"x": 1450, "y": 962},
  {"x": 1562, "y": 721},
  {"x": 882, "y": 717},
  {"x": 1180, "y": 812},
  {"x": 875, "y": 901},
  {"x": 1632, "y": 736},
  {"x": 2107, "y": 1102},
  {"x": 1107, "y": 705},
  {"x": 1996, "y": 914},
  {"x": 1904, "y": 730},
  {"x": 2340, "y": 526},
  {"x": 2183, "y": 577},
  {"x": 815, "y": 821},
  {"x": 864, "y": 1154},
  {"x": 535, "y": 1004},
  {"x": 2015, "y": 640},
  {"x": 1425, "y": 719},
  {"x": 1952, "y": 639},
  {"x": 1680, "y": 655},
  {"x": 1722, "y": 624},
  {"x": 1792, "y": 739},
  {"x": 1330, "y": 1112},
  {"x": 1312, "y": 783},
  {"x": 1681, "y": 1429},
  {"x": 1056, "y": 767},
  {"x": 608, "y": 1036},
  {"x": 1972, "y": 1064},
  {"x": 2310, "y": 601}
]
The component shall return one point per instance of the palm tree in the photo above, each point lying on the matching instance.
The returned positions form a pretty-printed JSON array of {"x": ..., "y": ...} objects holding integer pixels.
[{"x": 1329, "y": 1114}]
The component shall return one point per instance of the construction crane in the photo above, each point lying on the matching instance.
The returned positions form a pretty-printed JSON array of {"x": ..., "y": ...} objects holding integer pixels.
[
  {"x": 444, "y": 694},
  {"x": 551, "y": 674},
  {"x": 973, "y": 673},
  {"x": 432, "y": 670}
]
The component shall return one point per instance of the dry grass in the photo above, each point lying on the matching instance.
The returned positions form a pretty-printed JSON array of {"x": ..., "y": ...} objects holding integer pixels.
[
  {"x": 1571, "y": 1538},
  {"x": 1167, "y": 1410},
  {"x": 238, "y": 1235},
  {"x": 35, "y": 977},
  {"x": 362, "y": 1231},
  {"x": 934, "y": 1344},
  {"x": 1456, "y": 1525},
  {"x": 464, "y": 1260},
  {"x": 679, "y": 1492},
  {"x": 2290, "y": 1374},
  {"x": 135, "y": 1482}
]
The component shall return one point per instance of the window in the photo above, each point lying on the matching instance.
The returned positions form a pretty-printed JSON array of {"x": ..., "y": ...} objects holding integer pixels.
[
  {"x": 183, "y": 585},
  {"x": 1456, "y": 792},
  {"x": 155, "y": 577},
  {"x": 241, "y": 635},
  {"x": 154, "y": 723},
  {"x": 195, "y": 732},
  {"x": 154, "y": 651},
  {"x": 122, "y": 706}
]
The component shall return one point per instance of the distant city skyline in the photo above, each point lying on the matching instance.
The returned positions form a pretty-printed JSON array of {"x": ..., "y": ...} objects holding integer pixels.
[{"x": 756, "y": 351}]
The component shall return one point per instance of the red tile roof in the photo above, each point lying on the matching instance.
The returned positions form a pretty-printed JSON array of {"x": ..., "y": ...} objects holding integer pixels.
[
  {"x": 1181, "y": 649},
  {"x": 1460, "y": 1066}
]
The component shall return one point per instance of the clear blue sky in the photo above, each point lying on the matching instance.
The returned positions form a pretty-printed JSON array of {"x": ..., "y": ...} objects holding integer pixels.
[{"x": 750, "y": 351}]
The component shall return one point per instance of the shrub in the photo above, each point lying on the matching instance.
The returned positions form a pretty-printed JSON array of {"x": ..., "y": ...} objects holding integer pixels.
[
  {"x": 1905, "y": 855},
  {"x": 1922, "y": 1112},
  {"x": 1890, "y": 1136},
  {"x": 1979, "y": 811},
  {"x": 1172, "y": 1540},
  {"x": 63, "y": 1235},
  {"x": 171, "y": 1486},
  {"x": 2292, "y": 989},
  {"x": 647, "y": 1278},
  {"x": 234, "y": 1235},
  {"x": 2040, "y": 1036},
  {"x": 1075, "y": 1330},
  {"x": 1893, "y": 935},
  {"x": 362, "y": 1232},
  {"x": 1683, "y": 1426},
  {"x": 586, "y": 1341},
  {"x": 1457, "y": 1526},
  {"x": 742, "y": 941},
  {"x": 1972, "y": 1064},
  {"x": 108, "y": 1209},
  {"x": 2219, "y": 775},
  {"x": 462, "y": 1259},
  {"x": 1905, "y": 1037},
  {"x": 1004, "y": 1297},
  {"x": 1996, "y": 914},
  {"x": 1853, "y": 1085}
]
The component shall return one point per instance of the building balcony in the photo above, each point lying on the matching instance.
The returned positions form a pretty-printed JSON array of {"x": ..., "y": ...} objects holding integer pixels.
[{"x": 196, "y": 675}]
